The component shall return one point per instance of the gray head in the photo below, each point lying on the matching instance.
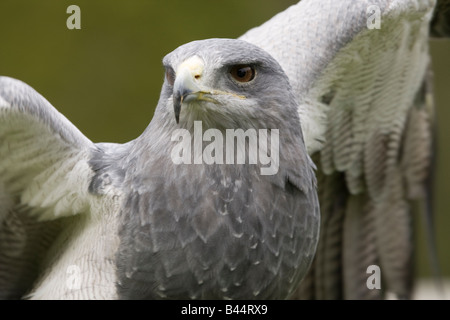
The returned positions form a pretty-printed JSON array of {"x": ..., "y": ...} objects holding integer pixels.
[{"x": 226, "y": 83}]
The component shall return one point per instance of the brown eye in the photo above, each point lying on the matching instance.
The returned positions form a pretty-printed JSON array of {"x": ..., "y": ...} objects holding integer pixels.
[
  {"x": 243, "y": 73},
  {"x": 170, "y": 76}
]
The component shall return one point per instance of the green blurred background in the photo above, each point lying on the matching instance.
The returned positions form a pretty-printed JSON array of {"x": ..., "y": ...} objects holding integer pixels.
[{"x": 106, "y": 77}]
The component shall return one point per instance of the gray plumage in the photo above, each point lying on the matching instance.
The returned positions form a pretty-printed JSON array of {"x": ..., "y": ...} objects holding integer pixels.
[
  {"x": 165, "y": 230},
  {"x": 221, "y": 231}
]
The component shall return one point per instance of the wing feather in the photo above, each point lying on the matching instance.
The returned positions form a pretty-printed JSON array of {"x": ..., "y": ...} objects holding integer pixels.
[
  {"x": 44, "y": 175},
  {"x": 367, "y": 121},
  {"x": 44, "y": 157}
]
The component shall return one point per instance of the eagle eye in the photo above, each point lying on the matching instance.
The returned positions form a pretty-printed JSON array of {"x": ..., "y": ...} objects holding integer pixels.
[{"x": 243, "y": 72}]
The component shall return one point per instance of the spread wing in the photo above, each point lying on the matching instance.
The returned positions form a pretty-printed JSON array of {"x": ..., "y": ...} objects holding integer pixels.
[
  {"x": 359, "y": 69},
  {"x": 44, "y": 175}
]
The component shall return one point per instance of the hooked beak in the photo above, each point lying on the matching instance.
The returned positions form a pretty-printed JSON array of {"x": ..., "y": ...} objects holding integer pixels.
[
  {"x": 186, "y": 86},
  {"x": 178, "y": 97}
]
